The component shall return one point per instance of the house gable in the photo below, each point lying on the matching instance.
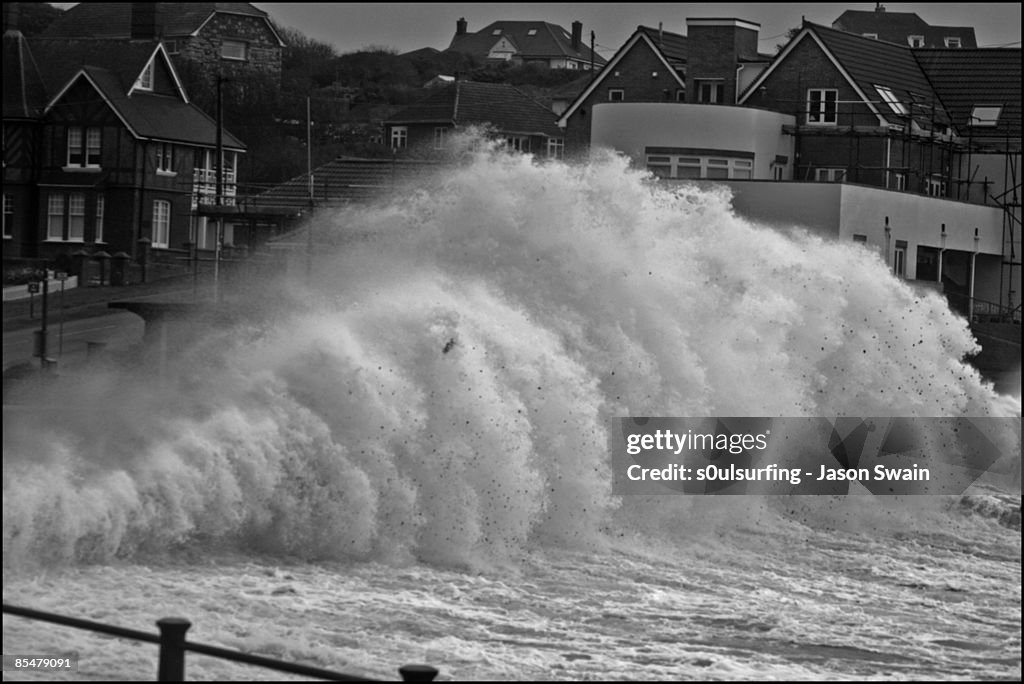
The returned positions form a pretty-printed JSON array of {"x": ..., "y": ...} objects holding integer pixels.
[
  {"x": 163, "y": 77},
  {"x": 806, "y": 62},
  {"x": 620, "y": 61}
]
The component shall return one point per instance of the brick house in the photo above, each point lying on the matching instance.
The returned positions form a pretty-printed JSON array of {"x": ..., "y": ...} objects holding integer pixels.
[
  {"x": 525, "y": 124},
  {"x": 904, "y": 28},
  {"x": 527, "y": 42},
  {"x": 231, "y": 39},
  {"x": 707, "y": 66},
  {"x": 103, "y": 150}
]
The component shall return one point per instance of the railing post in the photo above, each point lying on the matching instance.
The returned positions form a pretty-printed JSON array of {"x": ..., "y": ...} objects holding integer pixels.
[
  {"x": 417, "y": 673},
  {"x": 172, "y": 649}
]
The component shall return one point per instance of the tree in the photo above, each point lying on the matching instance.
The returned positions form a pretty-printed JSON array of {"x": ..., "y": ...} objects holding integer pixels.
[{"x": 34, "y": 17}]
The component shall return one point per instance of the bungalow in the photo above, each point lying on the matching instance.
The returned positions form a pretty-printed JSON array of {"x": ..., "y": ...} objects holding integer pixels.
[{"x": 527, "y": 42}]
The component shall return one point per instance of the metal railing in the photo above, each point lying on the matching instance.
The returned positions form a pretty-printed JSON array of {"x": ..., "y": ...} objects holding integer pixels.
[
  {"x": 982, "y": 310},
  {"x": 173, "y": 646}
]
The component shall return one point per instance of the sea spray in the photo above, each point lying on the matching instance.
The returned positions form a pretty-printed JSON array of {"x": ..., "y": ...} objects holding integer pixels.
[{"x": 449, "y": 396}]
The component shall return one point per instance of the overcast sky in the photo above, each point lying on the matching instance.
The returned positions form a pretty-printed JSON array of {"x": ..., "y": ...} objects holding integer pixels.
[{"x": 409, "y": 26}]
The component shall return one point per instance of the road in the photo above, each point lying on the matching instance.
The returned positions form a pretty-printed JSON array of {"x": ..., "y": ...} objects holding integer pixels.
[{"x": 115, "y": 330}]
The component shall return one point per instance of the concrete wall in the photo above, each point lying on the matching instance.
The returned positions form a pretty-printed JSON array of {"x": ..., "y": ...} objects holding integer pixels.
[{"x": 631, "y": 127}]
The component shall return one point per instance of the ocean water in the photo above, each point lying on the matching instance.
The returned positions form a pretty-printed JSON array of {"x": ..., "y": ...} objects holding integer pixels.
[{"x": 413, "y": 465}]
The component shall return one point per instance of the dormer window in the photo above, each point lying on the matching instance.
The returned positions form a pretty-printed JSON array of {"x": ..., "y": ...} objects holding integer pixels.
[
  {"x": 915, "y": 41},
  {"x": 145, "y": 81},
  {"x": 985, "y": 115},
  {"x": 890, "y": 99},
  {"x": 952, "y": 41},
  {"x": 531, "y": 32},
  {"x": 496, "y": 32}
]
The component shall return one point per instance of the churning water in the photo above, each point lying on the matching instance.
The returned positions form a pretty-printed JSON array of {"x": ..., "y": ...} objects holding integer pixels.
[{"x": 414, "y": 465}]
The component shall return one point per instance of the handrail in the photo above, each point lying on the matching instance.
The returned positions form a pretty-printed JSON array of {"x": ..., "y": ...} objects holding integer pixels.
[{"x": 173, "y": 647}]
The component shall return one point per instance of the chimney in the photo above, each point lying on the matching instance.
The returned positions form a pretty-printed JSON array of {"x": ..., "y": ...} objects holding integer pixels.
[
  {"x": 577, "y": 35},
  {"x": 661, "y": 36},
  {"x": 460, "y": 27},
  {"x": 879, "y": 7},
  {"x": 145, "y": 20},
  {"x": 11, "y": 16}
]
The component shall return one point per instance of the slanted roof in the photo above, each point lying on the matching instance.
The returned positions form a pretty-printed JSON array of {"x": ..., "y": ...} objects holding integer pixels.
[
  {"x": 671, "y": 45},
  {"x": 503, "y": 106},
  {"x": 341, "y": 181},
  {"x": 965, "y": 78},
  {"x": 112, "y": 67},
  {"x": 641, "y": 37},
  {"x": 24, "y": 93},
  {"x": 867, "y": 63},
  {"x": 533, "y": 39},
  {"x": 114, "y": 19},
  {"x": 895, "y": 27}
]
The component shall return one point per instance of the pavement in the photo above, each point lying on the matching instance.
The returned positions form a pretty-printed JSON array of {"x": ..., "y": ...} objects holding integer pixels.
[{"x": 86, "y": 302}]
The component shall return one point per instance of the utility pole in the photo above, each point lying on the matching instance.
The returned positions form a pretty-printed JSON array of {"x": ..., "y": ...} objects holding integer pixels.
[
  {"x": 219, "y": 191},
  {"x": 309, "y": 178}
]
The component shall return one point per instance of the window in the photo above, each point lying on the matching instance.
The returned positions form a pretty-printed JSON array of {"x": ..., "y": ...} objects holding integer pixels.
[
  {"x": 935, "y": 186},
  {"x": 84, "y": 147},
  {"x": 65, "y": 217},
  {"x": 710, "y": 92},
  {"x": 857, "y": 237},
  {"x": 172, "y": 47},
  {"x": 685, "y": 166},
  {"x": 234, "y": 49},
  {"x": 915, "y": 41},
  {"x": 165, "y": 158},
  {"x": 821, "y": 106},
  {"x": 890, "y": 99},
  {"x": 161, "y": 223},
  {"x": 680, "y": 95},
  {"x": 517, "y": 143},
  {"x": 872, "y": 36},
  {"x": 440, "y": 137},
  {"x": 899, "y": 181},
  {"x": 830, "y": 175},
  {"x": 531, "y": 32},
  {"x": 556, "y": 148},
  {"x": 100, "y": 207},
  {"x": 899, "y": 259},
  {"x": 496, "y": 32},
  {"x": 76, "y": 217},
  {"x": 399, "y": 137},
  {"x": 8, "y": 215},
  {"x": 55, "y": 217},
  {"x": 985, "y": 115},
  {"x": 778, "y": 172},
  {"x": 145, "y": 80},
  {"x": 952, "y": 41},
  {"x": 616, "y": 94}
]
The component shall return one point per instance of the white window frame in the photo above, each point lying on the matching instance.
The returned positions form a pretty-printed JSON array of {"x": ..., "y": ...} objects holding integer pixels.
[
  {"x": 935, "y": 186},
  {"x": 517, "y": 143},
  {"x": 55, "y": 217},
  {"x": 616, "y": 94},
  {"x": 440, "y": 137},
  {"x": 399, "y": 137},
  {"x": 556, "y": 148},
  {"x": 915, "y": 41},
  {"x": 8, "y": 216},
  {"x": 165, "y": 159},
  {"x": 145, "y": 80},
  {"x": 985, "y": 115},
  {"x": 899, "y": 261},
  {"x": 822, "y": 105},
  {"x": 76, "y": 217},
  {"x": 100, "y": 210},
  {"x": 84, "y": 148},
  {"x": 872, "y": 36},
  {"x": 952, "y": 41},
  {"x": 161, "y": 224},
  {"x": 899, "y": 181},
  {"x": 700, "y": 167},
  {"x": 716, "y": 92},
  {"x": 890, "y": 99},
  {"x": 830, "y": 174},
  {"x": 226, "y": 52}
]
